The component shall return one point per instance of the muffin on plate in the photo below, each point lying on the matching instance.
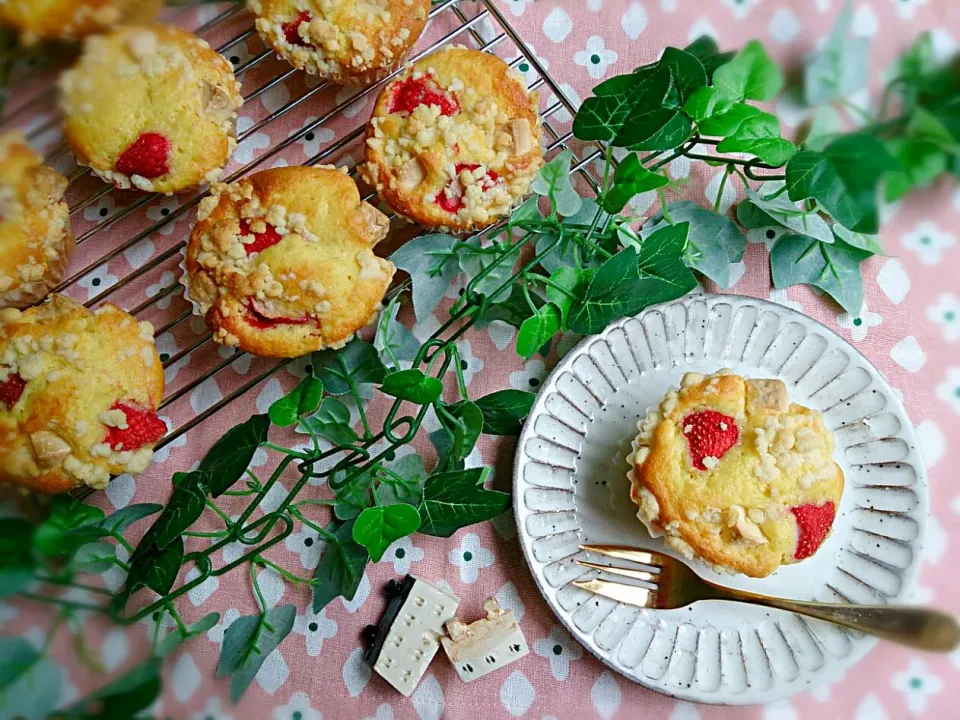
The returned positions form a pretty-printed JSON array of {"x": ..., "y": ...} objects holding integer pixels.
[
  {"x": 352, "y": 43},
  {"x": 454, "y": 142},
  {"x": 151, "y": 107},
  {"x": 37, "y": 20},
  {"x": 35, "y": 237},
  {"x": 79, "y": 392},
  {"x": 281, "y": 262},
  {"x": 731, "y": 472}
]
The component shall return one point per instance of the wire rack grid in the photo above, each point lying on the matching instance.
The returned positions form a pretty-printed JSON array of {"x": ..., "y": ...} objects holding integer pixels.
[{"x": 113, "y": 225}]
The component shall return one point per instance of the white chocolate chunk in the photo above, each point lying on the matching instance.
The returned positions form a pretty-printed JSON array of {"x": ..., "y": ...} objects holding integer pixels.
[{"x": 485, "y": 645}]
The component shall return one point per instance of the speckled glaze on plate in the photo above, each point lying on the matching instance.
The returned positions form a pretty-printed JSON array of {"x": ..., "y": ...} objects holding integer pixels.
[{"x": 570, "y": 487}]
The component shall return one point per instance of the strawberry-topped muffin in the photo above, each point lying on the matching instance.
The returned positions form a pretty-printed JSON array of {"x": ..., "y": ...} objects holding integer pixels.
[
  {"x": 35, "y": 236},
  {"x": 79, "y": 392},
  {"x": 454, "y": 142},
  {"x": 281, "y": 262},
  {"x": 37, "y": 20},
  {"x": 732, "y": 472},
  {"x": 349, "y": 42},
  {"x": 151, "y": 107}
]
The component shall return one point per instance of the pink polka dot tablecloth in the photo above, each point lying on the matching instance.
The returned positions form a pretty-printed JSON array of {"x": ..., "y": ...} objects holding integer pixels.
[{"x": 909, "y": 327}]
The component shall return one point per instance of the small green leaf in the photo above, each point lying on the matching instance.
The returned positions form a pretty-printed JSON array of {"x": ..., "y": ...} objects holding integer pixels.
[
  {"x": 763, "y": 210},
  {"x": 30, "y": 684},
  {"x": 835, "y": 268},
  {"x": 504, "y": 411},
  {"x": 155, "y": 569},
  {"x": 431, "y": 260},
  {"x": 840, "y": 67},
  {"x": 452, "y": 500},
  {"x": 687, "y": 71},
  {"x": 95, "y": 557},
  {"x": 867, "y": 243},
  {"x": 302, "y": 400},
  {"x": 16, "y": 555},
  {"x": 527, "y": 216},
  {"x": 123, "y": 697},
  {"x": 463, "y": 421},
  {"x": 630, "y": 179},
  {"x": 751, "y": 75},
  {"x": 705, "y": 49},
  {"x": 410, "y": 469},
  {"x": 175, "y": 639},
  {"x": 357, "y": 360},
  {"x": 125, "y": 517},
  {"x": 70, "y": 525},
  {"x": 575, "y": 283},
  {"x": 248, "y": 641},
  {"x": 228, "y": 458},
  {"x": 354, "y": 496},
  {"x": 377, "y": 527},
  {"x": 553, "y": 182},
  {"x": 728, "y": 122},
  {"x": 473, "y": 263},
  {"x": 331, "y": 421},
  {"x": 394, "y": 340},
  {"x": 513, "y": 310},
  {"x": 537, "y": 330},
  {"x": 184, "y": 507},
  {"x": 843, "y": 179},
  {"x": 760, "y": 136},
  {"x": 341, "y": 567},
  {"x": 412, "y": 385}
]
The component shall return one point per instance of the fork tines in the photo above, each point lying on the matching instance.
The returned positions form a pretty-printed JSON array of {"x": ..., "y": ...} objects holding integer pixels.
[
  {"x": 625, "y": 552},
  {"x": 630, "y": 594}
]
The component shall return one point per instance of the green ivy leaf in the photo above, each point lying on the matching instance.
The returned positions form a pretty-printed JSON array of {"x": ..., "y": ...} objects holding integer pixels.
[
  {"x": 825, "y": 126},
  {"x": 661, "y": 257},
  {"x": 760, "y": 136},
  {"x": 230, "y": 456},
  {"x": 575, "y": 282},
  {"x": 394, "y": 340},
  {"x": 867, "y": 243},
  {"x": 331, "y": 421},
  {"x": 123, "y": 697},
  {"x": 835, "y": 268},
  {"x": 70, "y": 525},
  {"x": 504, "y": 411},
  {"x": 463, "y": 421},
  {"x": 843, "y": 179},
  {"x": 553, "y": 182},
  {"x": 357, "y": 360},
  {"x": 299, "y": 402},
  {"x": 248, "y": 641},
  {"x": 95, "y": 557},
  {"x": 452, "y": 500},
  {"x": 713, "y": 243},
  {"x": 473, "y": 262},
  {"x": 688, "y": 72},
  {"x": 30, "y": 684},
  {"x": 527, "y": 216},
  {"x": 412, "y": 385},
  {"x": 442, "y": 442},
  {"x": 183, "y": 509},
  {"x": 353, "y": 497},
  {"x": 537, "y": 330},
  {"x": 431, "y": 260},
  {"x": 154, "y": 568},
  {"x": 16, "y": 555},
  {"x": 377, "y": 527},
  {"x": 781, "y": 211},
  {"x": 125, "y": 517},
  {"x": 922, "y": 152},
  {"x": 341, "y": 567},
  {"x": 751, "y": 75},
  {"x": 410, "y": 468},
  {"x": 175, "y": 639},
  {"x": 840, "y": 67},
  {"x": 513, "y": 310},
  {"x": 705, "y": 49},
  {"x": 671, "y": 135},
  {"x": 630, "y": 179}
]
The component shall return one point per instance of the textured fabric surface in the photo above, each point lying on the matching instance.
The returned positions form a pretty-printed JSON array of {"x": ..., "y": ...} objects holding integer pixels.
[{"x": 909, "y": 327}]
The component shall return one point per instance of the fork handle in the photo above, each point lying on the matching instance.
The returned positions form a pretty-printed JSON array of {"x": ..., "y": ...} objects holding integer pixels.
[{"x": 915, "y": 627}]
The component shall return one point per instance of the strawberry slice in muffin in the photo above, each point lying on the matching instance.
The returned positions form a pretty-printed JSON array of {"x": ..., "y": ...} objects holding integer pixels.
[{"x": 731, "y": 472}]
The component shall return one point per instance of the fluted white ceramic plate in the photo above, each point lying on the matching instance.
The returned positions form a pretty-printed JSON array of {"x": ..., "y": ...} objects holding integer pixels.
[{"x": 570, "y": 487}]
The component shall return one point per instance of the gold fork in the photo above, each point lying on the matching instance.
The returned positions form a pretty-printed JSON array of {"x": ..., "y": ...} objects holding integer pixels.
[{"x": 674, "y": 585}]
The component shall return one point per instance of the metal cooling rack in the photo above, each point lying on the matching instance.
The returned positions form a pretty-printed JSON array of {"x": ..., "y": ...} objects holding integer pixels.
[{"x": 479, "y": 24}]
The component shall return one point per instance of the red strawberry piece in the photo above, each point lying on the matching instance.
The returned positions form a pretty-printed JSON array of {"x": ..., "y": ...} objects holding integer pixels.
[
  {"x": 451, "y": 197},
  {"x": 709, "y": 434},
  {"x": 262, "y": 321},
  {"x": 290, "y": 29},
  {"x": 813, "y": 524},
  {"x": 146, "y": 156},
  {"x": 11, "y": 389},
  {"x": 143, "y": 426},
  {"x": 410, "y": 93},
  {"x": 261, "y": 241}
]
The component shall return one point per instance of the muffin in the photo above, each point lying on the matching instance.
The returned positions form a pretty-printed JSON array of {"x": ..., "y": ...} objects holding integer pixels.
[
  {"x": 454, "y": 142},
  {"x": 79, "y": 392},
  {"x": 732, "y": 472},
  {"x": 151, "y": 107},
  {"x": 71, "y": 19},
  {"x": 349, "y": 43},
  {"x": 35, "y": 237},
  {"x": 281, "y": 264}
]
